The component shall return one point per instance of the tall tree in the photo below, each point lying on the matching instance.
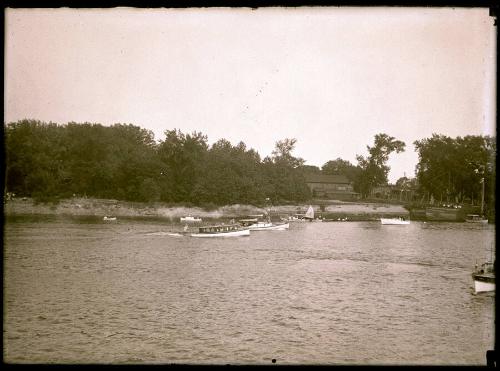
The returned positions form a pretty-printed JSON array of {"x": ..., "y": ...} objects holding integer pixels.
[
  {"x": 374, "y": 167},
  {"x": 182, "y": 156},
  {"x": 341, "y": 167},
  {"x": 452, "y": 169},
  {"x": 282, "y": 170}
]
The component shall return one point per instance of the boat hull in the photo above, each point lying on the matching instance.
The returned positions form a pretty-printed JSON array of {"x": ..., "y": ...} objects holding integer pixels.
[
  {"x": 191, "y": 220},
  {"x": 272, "y": 227},
  {"x": 244, "y": 232},
  {"x": 484, "y": 283},
  {"x": 388, "y": 221},
  {"x": 481, "y": 221}
]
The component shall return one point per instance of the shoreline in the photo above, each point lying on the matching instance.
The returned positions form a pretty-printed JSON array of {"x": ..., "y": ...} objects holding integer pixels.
[{"x": 355, "y": 211}]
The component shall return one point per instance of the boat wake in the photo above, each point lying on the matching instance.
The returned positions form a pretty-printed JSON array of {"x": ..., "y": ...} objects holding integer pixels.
[{"x": 164, "y": 234}]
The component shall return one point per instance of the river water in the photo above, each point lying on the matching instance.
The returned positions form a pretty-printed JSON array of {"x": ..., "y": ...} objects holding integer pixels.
[{"x": 81, "y": 290}]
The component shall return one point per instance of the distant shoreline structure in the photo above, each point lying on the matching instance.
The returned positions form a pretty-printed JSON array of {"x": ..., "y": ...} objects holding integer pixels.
[{"x": 355, "y": 211}]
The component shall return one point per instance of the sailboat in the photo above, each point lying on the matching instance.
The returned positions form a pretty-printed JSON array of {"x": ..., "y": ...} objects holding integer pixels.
[
  {"x": 474, "y": 218},
  {"x": 309, "y": 214}
]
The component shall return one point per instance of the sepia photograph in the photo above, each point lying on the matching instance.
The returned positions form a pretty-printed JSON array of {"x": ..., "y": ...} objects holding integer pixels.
[{"x": 249, "y": 186}]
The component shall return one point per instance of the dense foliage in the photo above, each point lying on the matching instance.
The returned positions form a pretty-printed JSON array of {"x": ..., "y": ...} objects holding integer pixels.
[
  {"x": 49, "y": 161},
  {"x": 374, "y": 170},
  {"x": 454, "y": 169}
]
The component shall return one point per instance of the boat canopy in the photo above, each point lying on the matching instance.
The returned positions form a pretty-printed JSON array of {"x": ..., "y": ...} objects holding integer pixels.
[{"x": 219, "y": 228}]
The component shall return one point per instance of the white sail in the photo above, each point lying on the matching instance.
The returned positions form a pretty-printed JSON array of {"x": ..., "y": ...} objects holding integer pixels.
[{"x": 310, "y": 213}]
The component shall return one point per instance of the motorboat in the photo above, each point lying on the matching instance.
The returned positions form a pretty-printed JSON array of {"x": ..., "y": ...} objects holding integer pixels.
[
  {"x": 344, "y": 219},
  {"x": 474, "y": 218},
  {"x": 294, "y": 218},
  {"x": 223, "y": 230},
  {"x": 254, "y": 224},
  {"x": 109, "y": 218},
  {"x": 394, "y": 221},
  {"x": 190, "y": 219},
  {"x": 484, "y": 277}
]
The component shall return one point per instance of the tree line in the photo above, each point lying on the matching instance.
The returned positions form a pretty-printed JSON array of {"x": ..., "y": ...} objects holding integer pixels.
[{"x": 48, "y": 161}]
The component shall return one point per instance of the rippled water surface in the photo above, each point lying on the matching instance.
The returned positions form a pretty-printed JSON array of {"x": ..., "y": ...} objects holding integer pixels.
[{"x": 85, "y": 291}]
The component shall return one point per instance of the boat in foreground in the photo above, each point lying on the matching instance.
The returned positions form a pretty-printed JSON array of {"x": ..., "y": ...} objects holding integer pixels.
[
  {"x": 394, "y": 221},
  {"x": 484, "y": 277},
  {"x": 474, "y": 218},
  {"x": 229, "y": 230}
]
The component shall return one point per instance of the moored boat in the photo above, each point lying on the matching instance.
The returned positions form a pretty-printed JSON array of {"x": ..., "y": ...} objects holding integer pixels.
[
  {"x": 109, "y": 218},
  {"x": 224, "y": 230},
  {"x": 190, "y": 219},
  {"x": 484, "y": 277},
  {"x": 309, "y": 214},
  {"x": 474, "y": 218},
  {"x": 294, "y": 218},
  {"x": 394, "y": 221}
]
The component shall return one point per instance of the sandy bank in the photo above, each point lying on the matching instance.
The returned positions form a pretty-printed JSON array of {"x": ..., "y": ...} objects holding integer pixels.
[{"x": 99, "y": 207}]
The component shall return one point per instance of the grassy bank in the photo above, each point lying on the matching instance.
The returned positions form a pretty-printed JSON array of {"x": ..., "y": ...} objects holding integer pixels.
[{"x": 101, "y": 208}]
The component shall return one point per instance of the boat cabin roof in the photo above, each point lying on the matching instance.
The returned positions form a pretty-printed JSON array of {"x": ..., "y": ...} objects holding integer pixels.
[
  {"x": 249, "y": 220},
  {"x": 220, "y": 227}
]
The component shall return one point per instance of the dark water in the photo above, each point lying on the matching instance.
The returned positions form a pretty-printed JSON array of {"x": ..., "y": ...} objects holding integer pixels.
[{"x": 85, "y": 291}]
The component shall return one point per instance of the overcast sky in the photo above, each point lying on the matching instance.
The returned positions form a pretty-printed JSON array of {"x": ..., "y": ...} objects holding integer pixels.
[{"x": 330, "y": 77}]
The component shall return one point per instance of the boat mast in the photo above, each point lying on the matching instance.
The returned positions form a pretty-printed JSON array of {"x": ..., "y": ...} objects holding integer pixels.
[{"x": 482, "y": 196}]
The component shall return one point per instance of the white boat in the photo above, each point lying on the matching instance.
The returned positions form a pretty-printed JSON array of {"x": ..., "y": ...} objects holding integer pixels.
[
  {"x": 109, "y": 218},
  {"x": 229, "y": 230},
  {"x": 484, "y": 277},
  {"x": 473, "y": 218},
  {"x": 394, "y": 221},
  {"x": 309, "y": 214},
  {"x": 256, "y": 225},
  {"x": 191, "y": 219},
  {"x": 294, "y": 218}
]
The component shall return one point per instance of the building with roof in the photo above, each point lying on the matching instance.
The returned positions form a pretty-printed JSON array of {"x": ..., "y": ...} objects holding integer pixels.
[{"x": 336, "y": 187}]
